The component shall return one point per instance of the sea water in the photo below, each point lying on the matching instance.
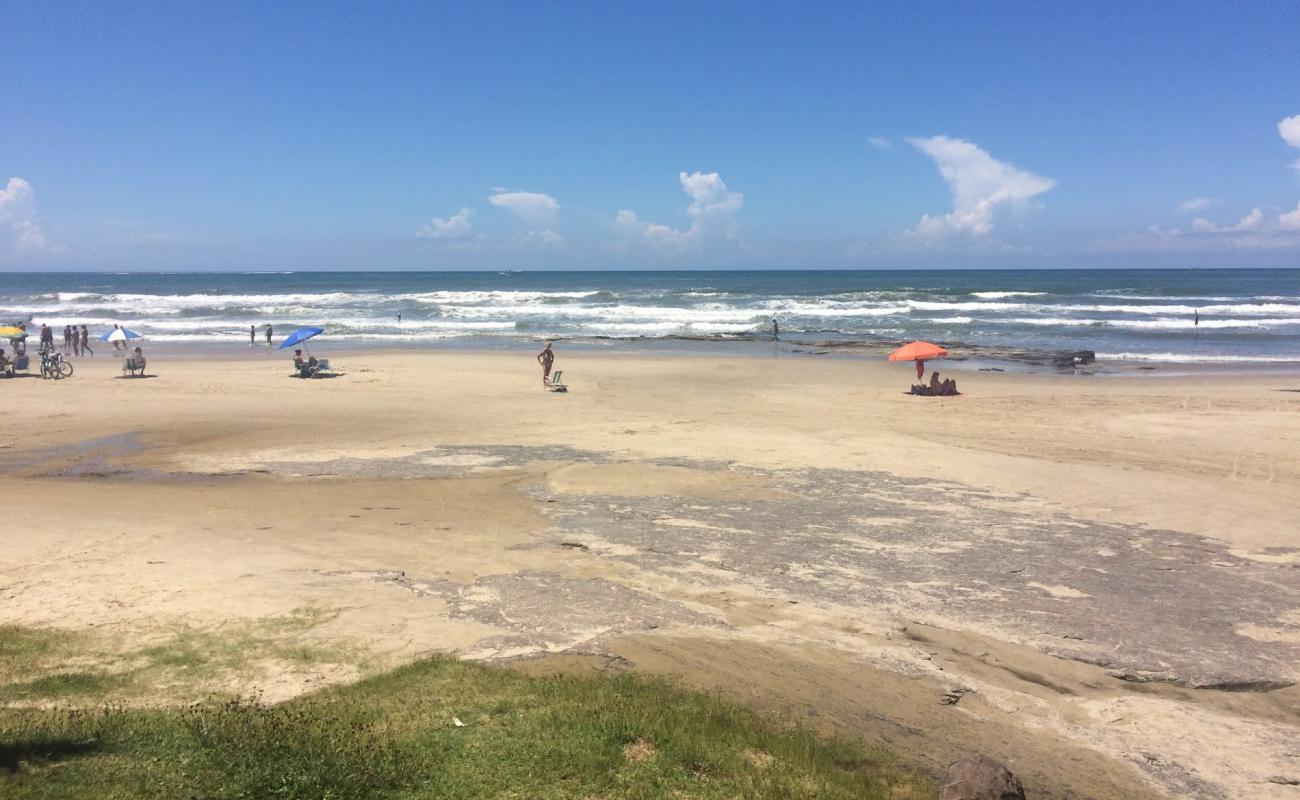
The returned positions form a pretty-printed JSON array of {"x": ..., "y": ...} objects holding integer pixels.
[{"x": 1191, "y": 316}]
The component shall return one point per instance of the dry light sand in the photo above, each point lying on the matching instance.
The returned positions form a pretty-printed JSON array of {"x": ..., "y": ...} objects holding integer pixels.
[{"x": 1096, "y": 580}]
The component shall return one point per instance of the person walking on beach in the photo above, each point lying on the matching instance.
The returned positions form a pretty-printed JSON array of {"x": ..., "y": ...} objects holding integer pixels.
[
  {"x": 546, "y": 358},
  {"x": 268, "y": 334},
  {"x": 920, "y": 369},
  {"x": 76, "y": 340},
  {"x": 67, "y": 337},
  {"x": 85, "y": 342},
  {"x": 252, "y": 335},
  {"x": 776, "y": 330},
  {"x": 47, "y": 338}
]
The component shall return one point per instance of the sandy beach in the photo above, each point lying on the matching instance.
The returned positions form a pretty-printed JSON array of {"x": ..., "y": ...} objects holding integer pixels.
[{"x": 1093, "y": 579}]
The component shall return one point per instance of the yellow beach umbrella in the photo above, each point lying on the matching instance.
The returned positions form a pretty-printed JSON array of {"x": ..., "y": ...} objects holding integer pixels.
[{"x": 11, "y": 332}]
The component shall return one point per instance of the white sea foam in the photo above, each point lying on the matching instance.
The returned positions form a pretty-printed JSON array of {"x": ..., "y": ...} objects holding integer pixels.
[
  {"x": 1116, "y": 321},
  {"x": 487, "y": 297},
  {"x": 1195, "y": 358},
  {"x": 1166, "y": 323}
]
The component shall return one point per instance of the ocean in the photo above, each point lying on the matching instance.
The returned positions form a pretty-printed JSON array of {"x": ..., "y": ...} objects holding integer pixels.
[{"x": 1182, "y": 316}]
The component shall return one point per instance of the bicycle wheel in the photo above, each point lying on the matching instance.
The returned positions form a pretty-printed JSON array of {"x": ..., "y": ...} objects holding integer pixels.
[{"x": 65, "y": 369}]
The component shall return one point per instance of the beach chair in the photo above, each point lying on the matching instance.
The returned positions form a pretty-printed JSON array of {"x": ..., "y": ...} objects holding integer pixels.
[
  {"x": 130, "y": 370},
  {"x": 556, "y": 382}
]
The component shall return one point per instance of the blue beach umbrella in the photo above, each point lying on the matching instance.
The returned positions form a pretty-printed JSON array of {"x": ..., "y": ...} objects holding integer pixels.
[
  {"x": 120, "y": 335},
  {"x": 300, "y": 335}
]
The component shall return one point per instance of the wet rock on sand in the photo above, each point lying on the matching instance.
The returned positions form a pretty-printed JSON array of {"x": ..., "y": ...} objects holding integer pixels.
[{"x": 980, "y": 778}]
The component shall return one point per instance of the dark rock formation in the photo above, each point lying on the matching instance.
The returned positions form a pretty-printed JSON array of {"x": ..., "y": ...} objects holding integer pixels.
[
  {"x": 1077, "y": 358},
  {"x": 980, "y": 778}
]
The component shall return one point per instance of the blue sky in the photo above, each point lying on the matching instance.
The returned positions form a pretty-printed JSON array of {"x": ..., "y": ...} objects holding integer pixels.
[{"x": 675, "y": 135}]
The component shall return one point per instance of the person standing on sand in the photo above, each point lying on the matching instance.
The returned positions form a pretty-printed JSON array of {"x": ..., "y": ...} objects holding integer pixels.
[
  {"x": 252, "y": 335},
  {"x": 920, "y": 369},
  {"x": 67, "y": 337},
  {"x": 47, "y": 338},
  {"x": 546, "y": 358},
  {"x": 776, "y": 330},
  {"x": 85, "y": 342},
  {"x": 76, "y": 340},
  {"x": 268, "y": 334}
]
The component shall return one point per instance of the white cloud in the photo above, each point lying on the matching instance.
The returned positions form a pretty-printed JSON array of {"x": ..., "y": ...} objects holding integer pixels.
[
  {"x": 545, "y": 239},
  {"x": 457, "y": 226},
  {"x": 30, "y": 236},
  {"x": 1289, "y": 129},
  {"x": 19, "y": 229},
  {"x": 879, "y": 142},
  {"x": 537, "y": 209},
  {"x": 1196, "y": 204},
  {"x": 713, "y": 211},
  {"x": 16, "y": 199},
  {"x": 1251, "y": 222},
  {"x": 1290, "y": 221},
  {"x": 981, "y": 186}
]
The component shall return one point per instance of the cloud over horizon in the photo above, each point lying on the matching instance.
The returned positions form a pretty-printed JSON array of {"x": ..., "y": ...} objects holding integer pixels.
[
  {"x": 536, "y": 209},
  {"x": 981, "y": 186},
  {"x": 1289, "y": 130},
  {"x": 19, "y": 230},
  {"x": 712, "y": 210},
  {"x": 1251, "y": 222},
  {"x": 455, "y": 227},
  {"x": 1196, "y": 204}
]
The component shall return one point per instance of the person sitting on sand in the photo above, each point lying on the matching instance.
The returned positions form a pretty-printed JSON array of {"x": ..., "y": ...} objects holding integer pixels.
[
  {"x": 6, "y": 365},
  {"x": 945, "y": 388},
  {"x": 546, "y": 358},
  {"x": 136, "y": 360},
  {"x": 303, "y": 364}
]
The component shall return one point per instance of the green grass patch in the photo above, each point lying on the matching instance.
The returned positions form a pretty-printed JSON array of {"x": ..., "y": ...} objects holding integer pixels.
[
  {"x": 42, "y": 665},
  {"x": 20, "y": 644},
  {"x": 63, "y": 686},
  {"x": 395, "y": 736}
]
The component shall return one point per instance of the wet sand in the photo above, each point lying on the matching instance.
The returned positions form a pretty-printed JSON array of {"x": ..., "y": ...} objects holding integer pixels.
[{"x": 1092, "y": 579}]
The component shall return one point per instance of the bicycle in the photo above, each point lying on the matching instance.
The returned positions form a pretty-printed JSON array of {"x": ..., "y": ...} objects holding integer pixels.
[{"x": 55, "y": 366}]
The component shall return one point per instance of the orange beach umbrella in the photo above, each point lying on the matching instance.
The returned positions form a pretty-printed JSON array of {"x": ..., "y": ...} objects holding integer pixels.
[{"x": 917, "y": 351}]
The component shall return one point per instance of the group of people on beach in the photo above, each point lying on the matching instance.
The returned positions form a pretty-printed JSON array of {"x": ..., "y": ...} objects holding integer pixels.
[
  {"x": 75, "y": 340},
  {"x": 936, "y": 388}
]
